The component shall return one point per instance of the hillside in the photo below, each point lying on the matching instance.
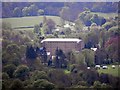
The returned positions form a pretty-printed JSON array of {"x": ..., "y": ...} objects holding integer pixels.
[{"x": 29, "y": 21}]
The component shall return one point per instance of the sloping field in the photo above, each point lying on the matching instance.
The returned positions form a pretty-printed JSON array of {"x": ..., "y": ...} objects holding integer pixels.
[
  {"x": 110, "y": 70},
  {"x": 29, "y": 21},
  {"x": 106, "y": 15}
]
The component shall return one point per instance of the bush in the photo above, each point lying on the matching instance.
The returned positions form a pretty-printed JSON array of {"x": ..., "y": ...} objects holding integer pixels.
[
  {"x": 97, "y": 84},
  {"x": 21, "y": 72},
  {"x": 17, "y": 84},
  {"x": 41, "y": 83},
  {"x": 39, "y": 75},
  {"x": 5, "y": 76},
  {"x": 9, "y": 69}
]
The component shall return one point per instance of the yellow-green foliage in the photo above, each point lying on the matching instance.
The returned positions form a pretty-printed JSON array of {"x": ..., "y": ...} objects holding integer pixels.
[{"x": 111, "y": 71}]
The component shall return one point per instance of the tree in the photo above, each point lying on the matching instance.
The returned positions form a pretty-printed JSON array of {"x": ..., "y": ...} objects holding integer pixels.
[
  {"x": 67, "y": 31},
  {"x": 108, "y": 25},
  {"x": 60, "y": 59},
  {"x": 41, "y": 83},
  {"x": 85, "y": 17},
  {"x": 82, "y": 83},
  {"x": 112, "y": 48},
  {"x": 113, "y": 31},
  {"x": 37, "y": 75},
  {"x": 33, "y": 10},
  {"x": 78, "y": 25},
  {"x": 44, "y": 55},
  {"x": 50, "y": 24},
  {"x": 77, "y": 58},
  {"x": 25, "y": 11},
  {"x": 89, "y": 57},
  {"x": 40, "y": 12},
  {"x": 91, "y": 39},
  {"x": 37, "y": 29},
  {"x": 97, "y": 84},
  {"x": 102, "y": 38},
  {"x": 104, "y": 85},
  {"x": 17, "y": 12},
  {"x": 59, "y": 78},
  {"x": 30, "y": 53},
  {"x": 21, "y": 72},
  {"x": 65, "y": 13},
  {"x": 9, "y": 69},
  {"x": 16, "y": 84},
  {"x": 5, "y": 76},
  {"x": 98, "y": 20},
  {"x": 90, "y": 76},
  {"x": 100, "y": 56}
]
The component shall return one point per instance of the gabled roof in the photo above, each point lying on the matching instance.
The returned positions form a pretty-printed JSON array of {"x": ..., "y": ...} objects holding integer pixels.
[{"x": 61, "y": 40}]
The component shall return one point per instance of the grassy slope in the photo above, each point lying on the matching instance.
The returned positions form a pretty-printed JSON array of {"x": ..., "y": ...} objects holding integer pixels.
[
  {"x": 32, "y": 20},
  {"x": 110, "y": 70},
  {"x": 106, "y": 15},
  {"x": 29, "y": 21}
]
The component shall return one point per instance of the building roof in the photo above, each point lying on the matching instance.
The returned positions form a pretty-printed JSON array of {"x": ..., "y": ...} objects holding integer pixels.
[{"x": 62, "y": 39}]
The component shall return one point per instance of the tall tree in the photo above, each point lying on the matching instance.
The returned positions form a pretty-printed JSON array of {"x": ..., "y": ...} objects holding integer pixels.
[
  {"x": 60, "y": 59},
  {"x": 17, "y": 12},
  {"x": 33, "y": 9},
  {"x": 40, "y": 12},
  {"x": 25, "y": 11},
  {"x": 65, "y": 13}
]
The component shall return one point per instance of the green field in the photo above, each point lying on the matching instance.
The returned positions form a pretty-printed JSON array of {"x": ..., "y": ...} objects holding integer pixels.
[
  {"x": 106, "y": 15},
  {"x": 29, "y": 21},
  {"x": 110, "y": 70},
  {"x": 66, "y": 71},
  {"x": 32, "y": 20}
]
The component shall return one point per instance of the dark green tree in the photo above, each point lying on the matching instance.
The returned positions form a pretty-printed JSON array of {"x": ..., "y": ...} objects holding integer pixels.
[
  {"x": 30, "y": 53},
  {"x": 9, "y": 69},
  {"x": 60, "y": 59},
  {"x": 17, "y": 12},
  {"x": 39, "y": 75},
  {"x": 22, "y": 72},
  {"x": 16, "y": 84},
  {"x": 41, "y": 83}
]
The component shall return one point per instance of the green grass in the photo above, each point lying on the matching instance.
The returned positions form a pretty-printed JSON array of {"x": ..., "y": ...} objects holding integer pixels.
[
  {"x": 110, "y": 70},
  {"x": 29, "y": 21},
  {"x": 42, "y": 32},
  {"x": 30, "y": 29},
  {"x": 32, "y": 20},
  {"x": 66, "y": 71},
  {"x": 106, "y": 15}
]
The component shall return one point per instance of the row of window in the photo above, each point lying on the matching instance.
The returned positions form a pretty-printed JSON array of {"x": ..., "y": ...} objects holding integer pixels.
[{"x": 61, "y": 42}]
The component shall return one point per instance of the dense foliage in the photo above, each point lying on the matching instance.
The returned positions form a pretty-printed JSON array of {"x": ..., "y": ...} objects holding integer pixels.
[
  {"x": 18, "y": 9},
  {"x": 26, "y": 64}
]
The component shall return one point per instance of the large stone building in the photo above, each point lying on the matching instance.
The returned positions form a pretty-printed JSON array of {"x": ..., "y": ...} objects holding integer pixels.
[{"x": 66, "y": 44}]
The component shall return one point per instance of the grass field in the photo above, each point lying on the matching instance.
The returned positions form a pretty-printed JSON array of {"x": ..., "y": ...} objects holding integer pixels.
[
  {"x": 106, "y": 15},
  {"x": 66, "y": 71},
  {"x": 29, "y": 21},
  {"x": 110, "y": 70},
  {"x": 32, "y": 20}
]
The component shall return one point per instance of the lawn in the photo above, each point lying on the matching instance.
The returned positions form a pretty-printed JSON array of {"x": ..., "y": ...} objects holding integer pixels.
[
  {"x": 110, "y": 70},
  {"x": 66, "y": 71},
  {"x": 29, "y": 21},
  {"x": 106, "y": 15}
]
